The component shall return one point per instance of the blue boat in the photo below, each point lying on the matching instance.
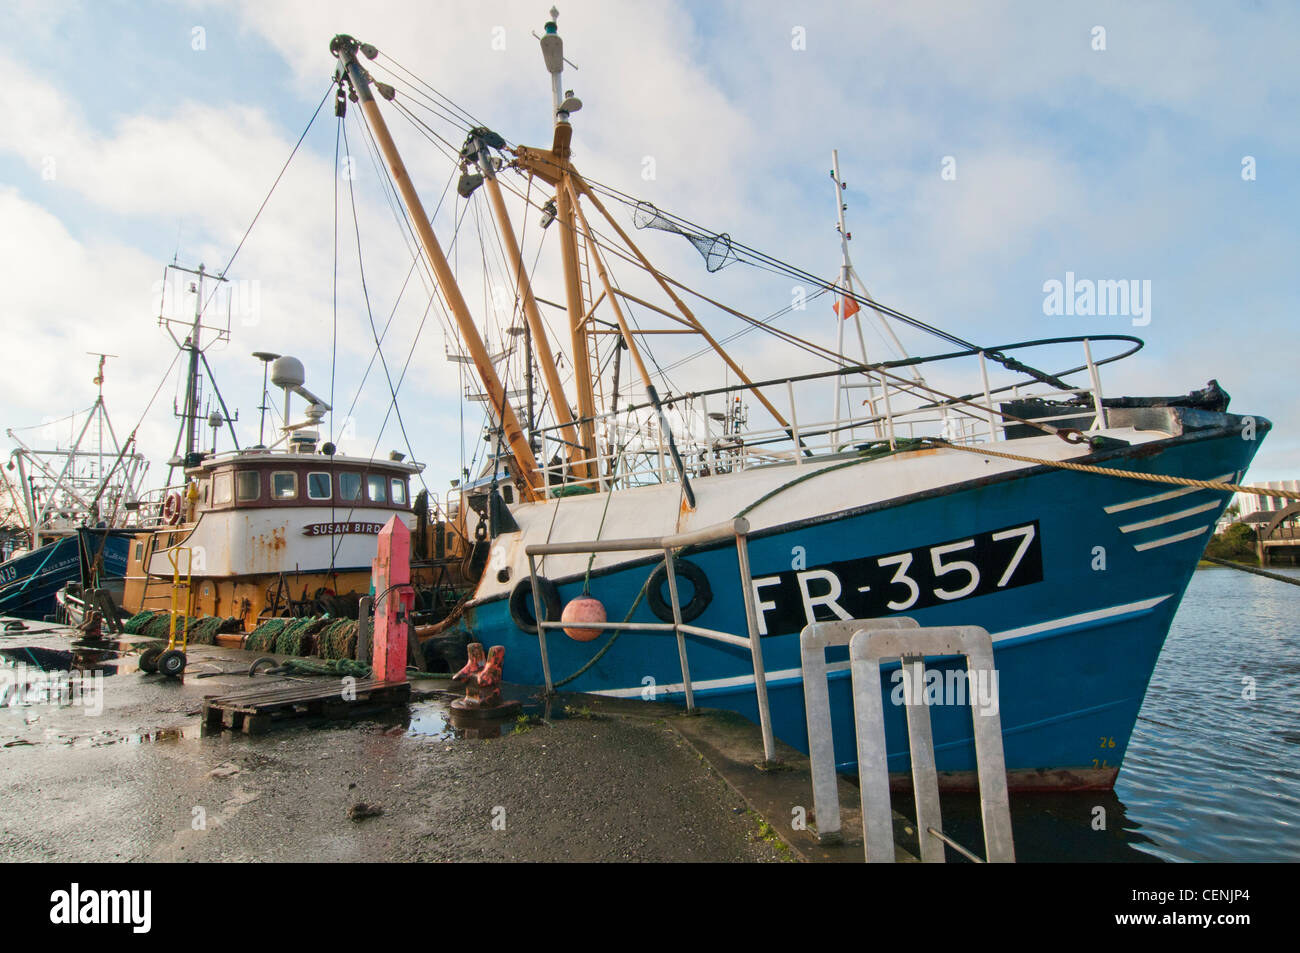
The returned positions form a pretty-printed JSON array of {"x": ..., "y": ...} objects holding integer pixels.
[
  {"x": 30, "y": 583},
  {"x": 985, "y": 485},
  {"x": 1076, "y": 575}
]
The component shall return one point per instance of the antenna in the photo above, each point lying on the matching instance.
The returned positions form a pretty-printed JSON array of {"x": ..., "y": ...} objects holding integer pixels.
[
  {"x": 553, "y": 55},
  {"x": 266, "y": 357}
]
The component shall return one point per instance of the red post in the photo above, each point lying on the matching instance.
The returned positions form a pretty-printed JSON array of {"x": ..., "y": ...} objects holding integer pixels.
[{"x": 391, "y": 575}]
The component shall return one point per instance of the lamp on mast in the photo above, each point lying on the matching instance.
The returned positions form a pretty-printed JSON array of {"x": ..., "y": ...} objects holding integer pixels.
[{"x": 553, "y": 55}]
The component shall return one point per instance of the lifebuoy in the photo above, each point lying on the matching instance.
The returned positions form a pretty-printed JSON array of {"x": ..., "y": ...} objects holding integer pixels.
[
  {"x": 171, "y": 511},
  {"x": 662, "y": 606},
  {"x": 521, "y": 603}
]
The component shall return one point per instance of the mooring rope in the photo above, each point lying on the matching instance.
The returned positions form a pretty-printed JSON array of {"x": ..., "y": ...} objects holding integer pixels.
[{"x": 1124, "y": 474}]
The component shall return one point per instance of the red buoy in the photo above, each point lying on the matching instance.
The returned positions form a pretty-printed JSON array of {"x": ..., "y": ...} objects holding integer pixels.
[{"x": 585, "y": 608}]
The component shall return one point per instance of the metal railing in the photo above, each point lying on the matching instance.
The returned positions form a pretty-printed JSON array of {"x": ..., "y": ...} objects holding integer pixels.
[
  {"x": 737, "y": 529},
  {"x": 632, "y": 446},
  {"x": 871, "y": 642}
]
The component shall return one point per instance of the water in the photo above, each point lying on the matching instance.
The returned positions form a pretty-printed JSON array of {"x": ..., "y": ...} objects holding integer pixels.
[{"x": 1211, "y": 774}]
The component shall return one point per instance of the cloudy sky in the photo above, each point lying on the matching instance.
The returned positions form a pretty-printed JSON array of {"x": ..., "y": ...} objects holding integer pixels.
[{"x": 989, "y": 148}]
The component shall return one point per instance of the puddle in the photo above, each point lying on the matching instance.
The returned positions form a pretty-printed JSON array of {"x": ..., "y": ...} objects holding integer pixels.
[
  {"x": 188, "y": 733},
  {"x": 435, "y": 718},
  {"x": 99, "y": 657}
]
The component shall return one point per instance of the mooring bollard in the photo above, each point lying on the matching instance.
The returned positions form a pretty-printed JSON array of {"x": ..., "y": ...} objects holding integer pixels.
[{"x": 394, "y": 598}]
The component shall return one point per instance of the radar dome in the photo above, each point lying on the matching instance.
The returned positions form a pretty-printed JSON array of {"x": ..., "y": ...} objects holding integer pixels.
[{"x": 287, "y": 372}]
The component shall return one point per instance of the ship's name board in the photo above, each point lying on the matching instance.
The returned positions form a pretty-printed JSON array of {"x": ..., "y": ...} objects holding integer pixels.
[
  {"x": 339, "y": 529},
  {"x": 904, "y": 581}
]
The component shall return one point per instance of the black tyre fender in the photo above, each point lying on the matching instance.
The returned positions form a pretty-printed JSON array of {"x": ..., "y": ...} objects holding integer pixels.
[
  {"x": 521, "y": 603},
  {"x": 662, "y": 607},
  {"x": 172, "y": 663}
]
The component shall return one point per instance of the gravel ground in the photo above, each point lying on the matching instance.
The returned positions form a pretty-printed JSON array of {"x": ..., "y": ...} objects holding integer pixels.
[{"x": 138, "y": 783}]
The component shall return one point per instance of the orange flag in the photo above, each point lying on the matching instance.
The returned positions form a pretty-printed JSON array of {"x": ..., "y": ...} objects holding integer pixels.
[{"x": 851, "y": 307}]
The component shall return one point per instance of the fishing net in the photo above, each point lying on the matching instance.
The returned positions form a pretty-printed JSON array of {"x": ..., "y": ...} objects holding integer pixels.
[
  {"x": 717, "y": 250},
  {"x": 338, "y": 640},
  {"x": 135, "y": 625},
  {"x": 262, "y": 638},
  {"x": 295, "y": 638}
]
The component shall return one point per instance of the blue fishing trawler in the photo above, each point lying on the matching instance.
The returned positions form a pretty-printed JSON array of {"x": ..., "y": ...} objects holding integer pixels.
[
  {"x": 983, "y": 484},
  {"x": 71, "y": 503}
]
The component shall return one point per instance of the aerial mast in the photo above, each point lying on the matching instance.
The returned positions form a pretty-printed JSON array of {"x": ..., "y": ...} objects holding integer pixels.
[{"x": 565, "y": 103}]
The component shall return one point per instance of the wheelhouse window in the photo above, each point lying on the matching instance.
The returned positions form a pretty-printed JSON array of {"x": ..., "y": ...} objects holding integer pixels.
[
  {"x": 397, "y": 491},
  {"x": 375, "y": 488},
  {"x": 221, "y": 489},
  {"x": 349, "y": 486},
  {"x": 248, "y": 486},
  {"x": 318, "y": 486},
  {"x": 284, "y": 485}
]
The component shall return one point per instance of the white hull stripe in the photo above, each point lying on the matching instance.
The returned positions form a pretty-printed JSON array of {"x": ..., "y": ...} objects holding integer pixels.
[
  {"x": 1160, "y": 520},
  {"x": 796, "y": 674},
  {"x": 1142, "y": 547},
  {"x": 1160, "y": 497}
]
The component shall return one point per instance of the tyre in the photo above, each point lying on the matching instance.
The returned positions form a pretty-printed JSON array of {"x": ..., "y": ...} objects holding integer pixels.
[
  {"x": 521, "y": 603},
  {"x": 172, "y": 663},
  {"x": 660, "y": 599},
  {"x": 149, "y": 659}
]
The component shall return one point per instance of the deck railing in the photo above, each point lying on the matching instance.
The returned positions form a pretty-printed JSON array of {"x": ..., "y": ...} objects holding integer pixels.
[
  {"x": 898, "y": 403},
  {"x": 737, "y": 530}
]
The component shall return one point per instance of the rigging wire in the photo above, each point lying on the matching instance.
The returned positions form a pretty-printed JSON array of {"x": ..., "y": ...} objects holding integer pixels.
[
  {"x": 365, "y": 293},
  {"x": 292, "y": 152}
]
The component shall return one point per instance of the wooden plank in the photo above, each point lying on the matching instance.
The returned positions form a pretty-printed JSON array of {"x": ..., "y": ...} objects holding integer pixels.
[{"x": 258, "y": 711}]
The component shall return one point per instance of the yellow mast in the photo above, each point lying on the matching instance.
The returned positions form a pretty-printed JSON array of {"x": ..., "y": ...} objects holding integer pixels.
[
  {"x": 523, "y": 464},
  {"x": 536, "y": 326}
]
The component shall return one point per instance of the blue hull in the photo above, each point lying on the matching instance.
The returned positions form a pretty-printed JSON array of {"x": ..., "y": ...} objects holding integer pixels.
[
  {"x": 1075, "y": 643},
  {"x": 29, "y": 583}
]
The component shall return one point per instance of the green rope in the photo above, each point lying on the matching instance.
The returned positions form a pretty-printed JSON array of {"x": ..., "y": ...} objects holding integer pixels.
[
  {"x": 645, "y": 587},
  {"x": 573, "y": 489}
]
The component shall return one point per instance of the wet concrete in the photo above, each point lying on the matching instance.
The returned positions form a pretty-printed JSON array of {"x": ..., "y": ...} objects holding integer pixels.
[{"x": 138, "y": 781}]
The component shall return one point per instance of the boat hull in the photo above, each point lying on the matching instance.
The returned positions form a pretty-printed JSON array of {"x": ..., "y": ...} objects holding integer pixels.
[
  {"x": 30, "y": 584},
  {"x": 1077, "y": 626}
]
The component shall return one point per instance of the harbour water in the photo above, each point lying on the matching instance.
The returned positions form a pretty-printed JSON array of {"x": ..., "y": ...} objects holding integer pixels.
[{"x": 1213, "y": 768}]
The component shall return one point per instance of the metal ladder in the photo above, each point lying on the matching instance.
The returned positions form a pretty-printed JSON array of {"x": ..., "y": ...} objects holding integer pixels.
[{"x": 870, "y": 642}]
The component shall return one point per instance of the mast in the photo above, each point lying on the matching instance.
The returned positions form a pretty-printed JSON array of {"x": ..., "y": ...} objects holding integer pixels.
[
  {"x": 846, "y": 269},
  {"x": 192, "y": 343},
  {"x": 849, "y": 280},
  {"x": 536, "y": 342},
  {"x": 553, "y": 55},
  {"x": 524, "y": 464}
]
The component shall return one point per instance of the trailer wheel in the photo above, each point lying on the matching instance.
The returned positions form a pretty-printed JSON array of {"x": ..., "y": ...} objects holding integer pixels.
[
  {"x": 149, "y": 659},
  {"x": 172, "y": 663}
]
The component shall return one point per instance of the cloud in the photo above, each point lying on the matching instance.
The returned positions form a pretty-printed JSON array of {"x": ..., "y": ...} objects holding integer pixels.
[{"x": 1111, "y": 164}]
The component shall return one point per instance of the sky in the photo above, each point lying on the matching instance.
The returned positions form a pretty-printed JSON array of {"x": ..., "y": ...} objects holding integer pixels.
[{"x": 989, "y": 149}]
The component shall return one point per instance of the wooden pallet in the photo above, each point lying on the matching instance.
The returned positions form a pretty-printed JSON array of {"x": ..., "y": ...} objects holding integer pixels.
[{"x": 258, "y": 710}]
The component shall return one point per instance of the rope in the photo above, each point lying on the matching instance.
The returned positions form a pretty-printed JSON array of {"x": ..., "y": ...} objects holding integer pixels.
[
  {"x": 1125, "y": 474},
  {"x": 645, "y": 586},
  {"x": 866, "y": 455},
  {"x": 1250, "y": 569}
]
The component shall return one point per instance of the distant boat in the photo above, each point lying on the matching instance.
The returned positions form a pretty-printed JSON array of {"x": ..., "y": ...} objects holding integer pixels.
[
  {"x": 36, "y": 580},
  {"x": 73, "y": 503}
]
